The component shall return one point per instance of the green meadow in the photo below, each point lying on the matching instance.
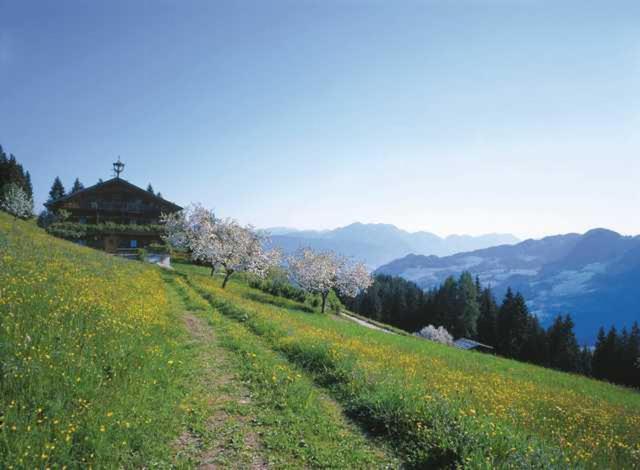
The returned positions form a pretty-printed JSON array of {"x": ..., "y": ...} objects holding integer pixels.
[{"x": 113, "y": 363}]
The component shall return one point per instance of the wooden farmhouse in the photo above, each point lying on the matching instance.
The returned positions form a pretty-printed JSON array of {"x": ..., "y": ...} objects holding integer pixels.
[{"x": 115, "y": 215}]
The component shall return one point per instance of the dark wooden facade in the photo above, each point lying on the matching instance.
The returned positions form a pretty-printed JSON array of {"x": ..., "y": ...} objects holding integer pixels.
[{"x": 118, "y": 202}]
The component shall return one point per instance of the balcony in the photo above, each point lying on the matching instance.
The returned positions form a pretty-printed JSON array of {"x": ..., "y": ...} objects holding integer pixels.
[{"x": 118, "y": 206}]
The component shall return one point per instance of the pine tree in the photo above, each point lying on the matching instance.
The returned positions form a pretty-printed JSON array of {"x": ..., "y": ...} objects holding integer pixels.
[
  {"x": 563, "y": 346},
  {"x": 512, "y": 325},
  {"x": 445, "y": 306},
  {"x": 487, "y": 321},
  {"x": 4, "y": 168},
  {"x": 57, "y": 190},
  {"x": 28, "y": 186},
  {"x": 585, "y": 361},
  {"x": 534, "y": 342},
  {"x": 150, "y": 189},
  {"x": 370, "y": 304},
  {"x": 599, "y": 360},
  {"x": 468, "y": 307},
  {"x": 619, "y": 373},
  {"x": 77, "y": 185},
  {"x": 610, "y": 355},
  {"x": 11, "y": 172},
  {"x": 632, "y": 356}
]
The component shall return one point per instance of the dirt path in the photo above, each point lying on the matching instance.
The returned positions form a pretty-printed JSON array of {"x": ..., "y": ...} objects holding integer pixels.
[
  {"x": 225, "y": 440},
  {"x": 365, "y": 323}
]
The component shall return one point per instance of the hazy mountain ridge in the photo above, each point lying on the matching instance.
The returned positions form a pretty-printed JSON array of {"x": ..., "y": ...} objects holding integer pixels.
[
  {"x": 594, "y": 276},
  {"x": 376, "y": 244}
]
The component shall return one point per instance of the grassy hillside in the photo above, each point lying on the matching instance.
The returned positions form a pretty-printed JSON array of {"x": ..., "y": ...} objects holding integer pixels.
[
  {"x": 88, "y": 348},
  {"x": 112, "y": 363},
  {"x": 442, "y": 406}
]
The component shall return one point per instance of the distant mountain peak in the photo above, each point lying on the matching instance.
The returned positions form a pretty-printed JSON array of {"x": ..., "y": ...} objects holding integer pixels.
[{"x": 602, "y": 232}]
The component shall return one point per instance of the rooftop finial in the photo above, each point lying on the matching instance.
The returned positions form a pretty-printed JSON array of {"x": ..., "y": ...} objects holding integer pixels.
[{"x": 118, "y": 167}]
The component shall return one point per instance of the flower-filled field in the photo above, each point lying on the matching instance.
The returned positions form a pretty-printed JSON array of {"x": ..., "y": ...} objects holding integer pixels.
[
  {"x": 87, "y": 349},
  {"x": 441, "y": 406}
]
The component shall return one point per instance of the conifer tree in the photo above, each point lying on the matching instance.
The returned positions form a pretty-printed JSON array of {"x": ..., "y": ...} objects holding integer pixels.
[
  {"x": 28, "y": 186},
  {"x": 11, "y": 172},
  {"x": 632, "y": 356},
  {"x": 57, "y": 190},
  {"x": 512, "y": 325},
  {"x": 534, "y": 342},
  {"x": 563, "y": 346},
  {"x": 599, "y": 359},
  {"x": 468, "y": 307},
  {"x": 150, "y": 189},
  {"x": 487, "y": 321},
  {"x": 77, "y": 185},
  {"x": 585, "y": 361}
]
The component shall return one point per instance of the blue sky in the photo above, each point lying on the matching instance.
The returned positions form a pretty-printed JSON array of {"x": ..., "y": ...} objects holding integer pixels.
[{"x": 461, "y": 116}]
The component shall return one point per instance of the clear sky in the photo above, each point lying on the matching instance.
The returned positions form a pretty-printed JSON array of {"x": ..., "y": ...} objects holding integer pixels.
[{"x": 460, "y": 116}]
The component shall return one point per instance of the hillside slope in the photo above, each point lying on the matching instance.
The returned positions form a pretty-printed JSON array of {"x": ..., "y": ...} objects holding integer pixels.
[
  {"x": 439, "y": 406},
  {"x": 109, "y": 363},
  {"x": 591, "y": 276},
  {"x": 112, "y": 363},
  {"x": 87, "y": 354}
]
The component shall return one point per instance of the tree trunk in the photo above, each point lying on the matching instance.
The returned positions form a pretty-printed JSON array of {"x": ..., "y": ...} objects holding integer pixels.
[
  {"x": 324, "y": 300},
  {"x": 213, "y": 269},
  {"x": 227, "y": 275}
]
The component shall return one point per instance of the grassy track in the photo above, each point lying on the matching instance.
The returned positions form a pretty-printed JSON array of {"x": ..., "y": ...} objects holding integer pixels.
[
  {"x": 441, "y": 406},
  {"x": 296, "y": 424}
]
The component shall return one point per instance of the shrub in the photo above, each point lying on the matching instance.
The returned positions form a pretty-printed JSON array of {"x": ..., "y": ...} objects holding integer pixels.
[{"x": 278, "y": 286}]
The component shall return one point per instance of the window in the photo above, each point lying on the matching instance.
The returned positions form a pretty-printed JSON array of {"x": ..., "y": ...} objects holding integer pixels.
[
  {"x": 82, "y": 220},
  {"x": 134, "y": 244}
]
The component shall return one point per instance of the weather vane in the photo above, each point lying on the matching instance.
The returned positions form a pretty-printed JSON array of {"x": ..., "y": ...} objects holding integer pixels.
[{"x": 118, "y": 167}]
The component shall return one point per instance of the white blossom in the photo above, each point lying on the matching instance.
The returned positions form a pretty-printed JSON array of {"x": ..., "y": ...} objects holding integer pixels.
[
  {"x": 353, "y": 278},
  {"x": 16, "y": 202},
  {"x": 219, "y": 242},
  {"x": 439, "y": 335},
  {"x": 319, "y": 272}
]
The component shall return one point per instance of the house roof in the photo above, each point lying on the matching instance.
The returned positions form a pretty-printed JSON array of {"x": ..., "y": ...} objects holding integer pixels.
[
  {"x": 112, "y": 182},
  {"x": 466, "y": 343}
]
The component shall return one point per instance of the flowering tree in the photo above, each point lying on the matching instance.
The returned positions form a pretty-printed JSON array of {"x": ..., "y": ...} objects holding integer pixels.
[
  {"x": 16, "y": 201},
  {"x": 219, "y": 242},
  {"x": 319, "y": 272},
  {"x": 192, "y": 229},
  {"x": 439, "y": 335},
  {"x": 237, "y": 248}
]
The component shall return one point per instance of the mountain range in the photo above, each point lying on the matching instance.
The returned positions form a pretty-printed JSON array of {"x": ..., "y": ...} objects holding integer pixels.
[
  {"x": 594, "y": 276},
  {"x": 377, "y": 244}
]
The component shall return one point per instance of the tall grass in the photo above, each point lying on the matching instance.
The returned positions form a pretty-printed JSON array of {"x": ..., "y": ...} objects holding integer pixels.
[
  {"x": 442, "y": 406},
  {"x": 89, "y": 356}
]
